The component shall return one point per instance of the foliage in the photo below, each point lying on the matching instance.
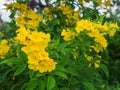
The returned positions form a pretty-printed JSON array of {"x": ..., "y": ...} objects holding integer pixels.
[{"x": 55, "y": 49}]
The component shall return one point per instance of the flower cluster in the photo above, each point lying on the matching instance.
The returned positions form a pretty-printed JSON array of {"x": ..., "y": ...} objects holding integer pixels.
[
  {"x": 17, "y": 6},
  {"x": 62, "y": 10},
  {"x": 96, "y": 61},
  {"x": 35, "y": 44},
  {"x": 94, "y": 30},
  {"x": 97, "y": 30},
  {"x": 4, "y": 48},
  {"x": 26, "y": 16},
  {"x": 68, "y": 34}
]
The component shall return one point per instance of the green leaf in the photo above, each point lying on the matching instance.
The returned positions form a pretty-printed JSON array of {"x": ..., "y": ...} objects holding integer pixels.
[
  {"x": 11, "y": 61},
  {"x": 61, "y": 74},
  {"x": 20, "y": 69},
  {"x": 21, "y": 55},
  {"x": 104, "y": 69},
  {"x": 38, "y": 74},
  {"x": 101, "y": 18},
  {"x": 72, "y": 71},
  {"x": 50, "y": 83},
  {"x": 41, "y": 85},
  {"x": 31, "y": 73},
  {"x": 61, "y": 68},
  {"x": 89, "y": 86},
  {"x": 32, "y": 84}
]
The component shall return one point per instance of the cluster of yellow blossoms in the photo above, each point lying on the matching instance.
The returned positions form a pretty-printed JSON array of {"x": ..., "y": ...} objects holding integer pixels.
[
  {"x": 97, "y": 30},
  {"x": 63, "y": 10},
  {"x": 35, "y": 44},
  {"x": 68, "y": 34},
  {"x": 4, "y": 48},
  {"x": 94, "y": 30},
  {"x": 26, "y": 16},
  {"x": 96, "y": 63}
]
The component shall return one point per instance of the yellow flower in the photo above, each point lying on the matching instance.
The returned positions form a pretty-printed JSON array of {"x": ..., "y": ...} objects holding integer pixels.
[
  {"x": 46, "y": 10},
  {"x": 95, "y": 33},
  {"x": 112, "y": 25},
  {"x": 111, "y": 32},
  {"x": 4, "y": 48},
  {"x": 99, "y": 2},
  {"x": 38, "y": 58},
  {"x": 107, "y": 3},
  {"x": 96, "y": 48},
  {"x": 102, "y": 41},
  {"x": 97, "y": 64},
  {"x": 84, "y": 25},
  {"x": 68, "y": 35}
]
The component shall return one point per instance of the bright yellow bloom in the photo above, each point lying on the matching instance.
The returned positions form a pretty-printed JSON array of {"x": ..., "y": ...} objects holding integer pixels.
[
  {"x": 26, "y": 16},
  {"x": 102, "y": 41},
  {"x": 4, "y": 48},
  {"x": 68, "y": 35},
  {"x": 35, "y": 44},
  {"x": 18, "y": 6},
  {"x": 112, "y": 25},
  {"x": 22, "y": 35},
  {"x": 84, "y": 25},
  {"x": 95, "y": 33},
  {"x": 111, "y": 32}
]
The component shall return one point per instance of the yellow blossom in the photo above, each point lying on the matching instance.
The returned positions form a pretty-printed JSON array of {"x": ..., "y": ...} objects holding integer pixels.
[
  {"x": 97, "y": 64},
  {"x": 96, "y": 48},
  {"x": 4, "y": 48},
  {"x": 68, "y": 35},
  {"x": 36, "y": 43},
  {"x": 102, "y": 41},
  {"x": 107, "y": 3},
  {"x": 99, "y": 2}
]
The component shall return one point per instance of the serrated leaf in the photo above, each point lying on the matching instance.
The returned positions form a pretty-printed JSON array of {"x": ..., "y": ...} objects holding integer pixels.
[
  {"x": 50, "y": 83},
  {"x": 20, "y": 69},
  {"x": 61, "y": 74}
]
